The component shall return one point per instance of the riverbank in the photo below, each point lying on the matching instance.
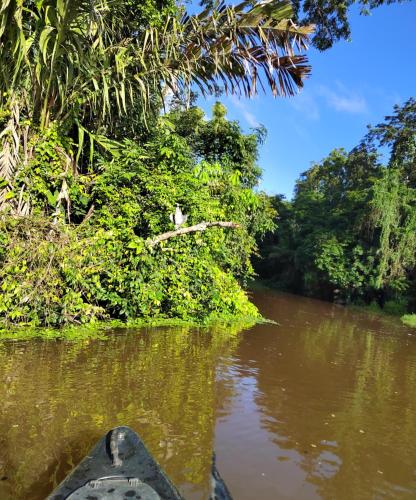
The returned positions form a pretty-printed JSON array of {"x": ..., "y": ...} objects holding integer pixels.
[
  {"x": 101, "y": 329},
  {"x": 409, "y": 320},
  {"x": 392, "y": 308}
]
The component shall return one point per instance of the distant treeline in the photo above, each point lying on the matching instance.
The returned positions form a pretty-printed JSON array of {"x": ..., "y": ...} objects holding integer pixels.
[{"x": 349, "y": 234}]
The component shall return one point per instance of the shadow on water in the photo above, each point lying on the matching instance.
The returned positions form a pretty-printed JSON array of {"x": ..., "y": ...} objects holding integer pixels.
[
  {"x": 60, "y": 397},
  {"x": 58, "y": 467}
]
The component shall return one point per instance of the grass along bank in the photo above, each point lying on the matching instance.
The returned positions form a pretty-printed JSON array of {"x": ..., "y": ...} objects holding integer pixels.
[
  {"x": 392, "y": 308},
  {"x": 409, "y": 320}
]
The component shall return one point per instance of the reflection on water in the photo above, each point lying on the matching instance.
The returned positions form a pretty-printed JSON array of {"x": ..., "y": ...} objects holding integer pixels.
[
  {"x": 325, "y": 405},
  {"x": 59, "y": 398},
  {"x": 322, "y": 405}
]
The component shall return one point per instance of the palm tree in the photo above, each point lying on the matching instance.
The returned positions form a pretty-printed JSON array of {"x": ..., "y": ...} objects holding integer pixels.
[{"x": 78, "y": 62}]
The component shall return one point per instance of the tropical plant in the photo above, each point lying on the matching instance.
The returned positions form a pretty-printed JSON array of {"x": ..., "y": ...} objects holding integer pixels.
[
  {"x": 83, "y": 65},
  {"x": 88, "y": 160},
  {"x": 108, "y": 265},
  {"x": 221, "y": 141},
  {"x": 330, "y": 17}
]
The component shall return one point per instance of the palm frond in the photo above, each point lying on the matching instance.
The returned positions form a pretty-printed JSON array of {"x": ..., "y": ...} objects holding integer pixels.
[
  {"x": 76, "y": 57},
  {"x": 242, "y": 48},
  {"x": 84, "y": 61}
]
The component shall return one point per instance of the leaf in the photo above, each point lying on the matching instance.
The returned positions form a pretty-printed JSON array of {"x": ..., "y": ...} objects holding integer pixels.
[
  {"x": 61, "y": 6},
  {"x": 44, "y": 39},
  {"x": 9, "y": 195},
  {"x": 52, "y": 198},
  {"x": 81, "y": 134}
]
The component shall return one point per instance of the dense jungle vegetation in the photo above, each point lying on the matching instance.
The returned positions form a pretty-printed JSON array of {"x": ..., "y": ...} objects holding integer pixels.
[
  {"x": 349, "y": 233},
  {"x": 100, "y": 143}
]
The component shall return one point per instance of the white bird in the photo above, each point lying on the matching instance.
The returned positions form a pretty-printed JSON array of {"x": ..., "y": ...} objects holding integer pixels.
[{"x": 178, "y": 218}]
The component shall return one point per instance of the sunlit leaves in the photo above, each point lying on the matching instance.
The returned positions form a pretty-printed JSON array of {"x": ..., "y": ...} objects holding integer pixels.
[{"x": 76, "y": 57}]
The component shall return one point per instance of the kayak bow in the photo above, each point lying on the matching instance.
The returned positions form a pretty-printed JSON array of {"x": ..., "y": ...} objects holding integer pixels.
[{"x": 121, "y": 467}]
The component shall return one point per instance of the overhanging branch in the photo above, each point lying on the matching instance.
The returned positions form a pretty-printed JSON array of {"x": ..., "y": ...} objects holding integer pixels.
[{"x": 202, "y": 226}]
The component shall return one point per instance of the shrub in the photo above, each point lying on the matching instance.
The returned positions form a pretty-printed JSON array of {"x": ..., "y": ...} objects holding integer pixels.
[{"x": 409, "y": 320}]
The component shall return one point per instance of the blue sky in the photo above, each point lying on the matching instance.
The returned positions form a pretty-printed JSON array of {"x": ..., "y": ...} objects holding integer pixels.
[{"x": 353, "y": 84}]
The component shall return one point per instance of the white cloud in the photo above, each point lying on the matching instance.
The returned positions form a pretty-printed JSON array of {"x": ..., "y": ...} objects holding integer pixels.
[
  {"x": 306, "y": 103},
  {"x": 342, "y": 99},
  {"x": 247, "y": 115}
]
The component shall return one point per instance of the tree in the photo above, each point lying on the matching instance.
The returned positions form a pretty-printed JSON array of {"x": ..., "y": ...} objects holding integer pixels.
[
  {"x": 114, "y": 263},
  {"x": 330, "y": 17},
  {"x": 398, "y": 134},
  {"x": 394, "y": 201},
  {"x": 349, "y": 232},
  {"x": 394, "y": 217},
  {"x": 86, "y": 157},
  {"x": 221, "y": 141},
  {"x": 324, "y": 241},
  {"x": 81, "y": 65}
]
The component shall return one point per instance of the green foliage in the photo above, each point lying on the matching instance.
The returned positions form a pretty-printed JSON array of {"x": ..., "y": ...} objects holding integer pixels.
[
  {"x": 100, "y": 72},
  {"x": 73, "y": 60},
  {"x": 350, "y": 232},
  {"x": 409, "y": 320},
  {"x": 330, "y": 17},
  {"x": 220, "y": 140},
  {"x": 73, "y": 277},
  {"x": 54, "y": 273},
  {"x": 397, "y": 133},
  {"x": 89, "y": 171},
  {"x": 395, "y": 307},
  {"x": 322, "y": 240},
  {"x": 394, "y": 213},
  {"x": 343, "y": 265}
]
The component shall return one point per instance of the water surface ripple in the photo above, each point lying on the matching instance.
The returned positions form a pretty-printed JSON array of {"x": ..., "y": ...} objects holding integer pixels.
[{"x": 322, "y": 405}]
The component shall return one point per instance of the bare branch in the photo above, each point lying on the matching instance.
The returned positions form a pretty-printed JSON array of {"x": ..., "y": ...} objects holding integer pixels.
[
  {"x": 89, "y": 214},
  {"x": 202, "y": 226}
]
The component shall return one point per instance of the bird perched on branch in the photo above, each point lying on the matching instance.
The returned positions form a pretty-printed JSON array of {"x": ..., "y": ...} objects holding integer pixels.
[{"x": 178, "y": 218}]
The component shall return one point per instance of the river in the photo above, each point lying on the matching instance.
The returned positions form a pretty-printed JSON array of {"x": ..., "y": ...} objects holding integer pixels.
[{"x": 320, "y": 405}]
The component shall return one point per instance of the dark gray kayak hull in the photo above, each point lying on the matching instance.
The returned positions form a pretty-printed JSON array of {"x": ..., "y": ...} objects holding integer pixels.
[{"x": 122, "y": 469}]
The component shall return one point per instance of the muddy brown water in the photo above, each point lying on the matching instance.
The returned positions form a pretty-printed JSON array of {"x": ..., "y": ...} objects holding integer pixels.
[{"x": 322, "y": 405}]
